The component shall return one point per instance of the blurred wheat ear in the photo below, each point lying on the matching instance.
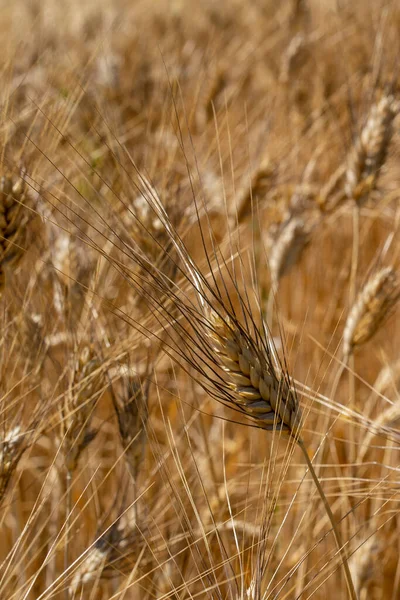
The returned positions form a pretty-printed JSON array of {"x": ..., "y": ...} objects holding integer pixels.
[
  {"x": 373, "y": 306},
  {"x": 114, "y": 552},
  {"x": 370, "y": 149},
  {"x": 12, "y": 446},
  {"x": 14, "y": 218},
  {"x": 131, "y": 407}
]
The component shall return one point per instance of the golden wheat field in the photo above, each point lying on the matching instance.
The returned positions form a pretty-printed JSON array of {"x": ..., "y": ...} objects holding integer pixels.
[{"x": 199, "y": 290}]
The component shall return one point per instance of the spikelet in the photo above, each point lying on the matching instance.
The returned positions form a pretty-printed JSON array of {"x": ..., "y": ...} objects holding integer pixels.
[
  {"x": 250, "y": 593},
  {"x": 131, "y": 407},
  {"x": 255, "y": 386},
  {"x": 371, "y": 309},
  {"x": 369, "y": 152},
  {"x": 362, "y": 564},
  {"x": 90, "y": 570},
  {"x": 12, "y": 446},
  {"x": 79, "y": 405},
  {"x": 14, "y": 217}
]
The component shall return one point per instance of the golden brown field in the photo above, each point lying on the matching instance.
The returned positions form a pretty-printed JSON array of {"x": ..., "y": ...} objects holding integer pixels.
[{"x": 199, "y": 278}]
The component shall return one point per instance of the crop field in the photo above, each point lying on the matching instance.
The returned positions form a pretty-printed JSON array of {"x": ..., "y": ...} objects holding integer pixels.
[{"x": 200, "y": 300}]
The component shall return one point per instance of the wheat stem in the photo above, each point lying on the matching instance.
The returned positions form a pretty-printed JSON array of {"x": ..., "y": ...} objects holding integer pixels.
[
  {"x": 353, "y": 295},
  {"x": 67, "y": 518},
  {"x": 338, "y": 538}
]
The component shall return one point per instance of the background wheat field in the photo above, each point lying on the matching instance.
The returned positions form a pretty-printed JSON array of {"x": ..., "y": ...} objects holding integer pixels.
[{"x": 161, "y": 160}]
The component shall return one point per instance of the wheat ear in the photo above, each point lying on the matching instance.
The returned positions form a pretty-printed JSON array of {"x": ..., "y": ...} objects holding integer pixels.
[
  {"x": 289, "y": 243},
  {"x": 12, "y": 446},
  {"x": 370, "y": 149},
  {"x": 79, "y": 405},
  {"x": 76, "y": 416},
  {"x": 131, "y": 407},
  {"x": 249, "y": 194},
  {"x": 14, "y": 218},
  {"x": 372, "y": 307}
]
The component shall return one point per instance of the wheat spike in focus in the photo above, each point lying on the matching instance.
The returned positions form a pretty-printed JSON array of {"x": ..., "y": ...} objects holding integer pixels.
[{"x": 257, "y": 388}]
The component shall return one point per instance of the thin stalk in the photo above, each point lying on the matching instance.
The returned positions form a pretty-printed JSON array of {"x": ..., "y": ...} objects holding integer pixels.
[
  {"x": 19, "y": 520},
  {"x": 270, "y": 304},
  {"x": 67, "y": 517},
  {"x": 338, "y": 538},
  {"x": 324, "y": 427},
  {"x": 352, "y": 298}
]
